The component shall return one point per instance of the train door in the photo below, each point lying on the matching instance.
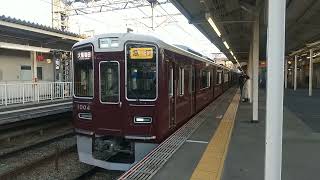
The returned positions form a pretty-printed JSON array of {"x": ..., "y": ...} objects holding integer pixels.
[
  {"x": 109, "y": 97},
  {"x": 192, "y": 89},
  {"x": 171, "y": 95}
]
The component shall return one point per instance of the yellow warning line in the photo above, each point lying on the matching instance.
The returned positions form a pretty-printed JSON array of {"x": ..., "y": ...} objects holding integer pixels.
[{"x": 210, "y": 167}]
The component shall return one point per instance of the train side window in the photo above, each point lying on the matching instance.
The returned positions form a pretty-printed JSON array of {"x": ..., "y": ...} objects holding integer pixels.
[
  {"x": 193, "y": 72},
  {"x": 219, "y": 78},
  {"x": 208, "y": 79},
  {"x": 226, "y": 77},
  {"x": 205, "y": 79},
  {"x": 109, "y": 81},
  {"x": 181, "y": 81},
  {"x": 171, "y": 81},
  {"x": 191, "y": 79}
]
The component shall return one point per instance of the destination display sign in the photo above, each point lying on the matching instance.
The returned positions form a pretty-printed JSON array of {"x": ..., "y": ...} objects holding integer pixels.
[
  {"x": 84, "y": 55},
  {"x": 141, "y": 53}
]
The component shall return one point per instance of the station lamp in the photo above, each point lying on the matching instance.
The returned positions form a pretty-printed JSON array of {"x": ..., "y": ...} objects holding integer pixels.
[
  {"x": 238, "y": 62},
  {"x": 226, "y": 44},
  {"x": 213, "y": 25}
]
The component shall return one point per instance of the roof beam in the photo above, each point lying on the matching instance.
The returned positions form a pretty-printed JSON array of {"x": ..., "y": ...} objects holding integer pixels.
[
  {"x": 21, "y": 47},
  {"x": 203, "y": 20},
  {"x": 248, "y": 8},
  {"x": 234, "y": 22},
  {"x": 199, "y": 19}
]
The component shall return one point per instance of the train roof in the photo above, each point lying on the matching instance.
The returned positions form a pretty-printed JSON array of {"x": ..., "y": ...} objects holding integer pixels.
[{"x": 134, "y": 37}]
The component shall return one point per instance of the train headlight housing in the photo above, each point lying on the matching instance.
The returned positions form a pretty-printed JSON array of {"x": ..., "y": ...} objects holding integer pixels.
[
  {"x": 142, "y": 120},
  {"x": 86, "y": 116}
]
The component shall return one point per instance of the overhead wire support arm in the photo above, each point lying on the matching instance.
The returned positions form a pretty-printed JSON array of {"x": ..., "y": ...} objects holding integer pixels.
[{"x": 107, "y": 6}]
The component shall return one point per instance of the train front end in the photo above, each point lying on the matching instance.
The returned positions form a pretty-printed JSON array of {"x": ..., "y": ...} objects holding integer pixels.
[{"x": 115, "y": 101}]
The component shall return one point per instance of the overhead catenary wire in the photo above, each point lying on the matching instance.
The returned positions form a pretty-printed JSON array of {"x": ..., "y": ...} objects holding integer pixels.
[
  {"x": 82, "y": 15},
  {"x": 162, "y": 9}
]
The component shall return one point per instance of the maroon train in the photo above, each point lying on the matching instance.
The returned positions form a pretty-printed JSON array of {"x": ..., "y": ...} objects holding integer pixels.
[{"x": 132, "y": 91}]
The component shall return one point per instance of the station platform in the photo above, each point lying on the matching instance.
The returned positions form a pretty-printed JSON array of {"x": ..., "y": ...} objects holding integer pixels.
[
  {"x": 301, "y": 139},
  {"x": 227, "y": 146},
  {"x": 19, "y": 112}
]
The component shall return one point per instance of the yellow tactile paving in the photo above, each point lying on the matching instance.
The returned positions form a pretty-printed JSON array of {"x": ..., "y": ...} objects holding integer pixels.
[{"x": 210, "y": 166}]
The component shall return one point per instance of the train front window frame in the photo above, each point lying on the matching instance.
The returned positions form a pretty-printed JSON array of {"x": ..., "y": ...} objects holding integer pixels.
[
  {"x": 109, "y": 71},
  {"x": 81, "y": 56},
  {"x": 137, "y": 72}
]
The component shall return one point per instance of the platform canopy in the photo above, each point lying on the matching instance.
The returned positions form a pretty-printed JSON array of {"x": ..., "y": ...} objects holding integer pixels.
[
  {"x": 234, "y": 20},
  {"x": 31, "y": 36}
]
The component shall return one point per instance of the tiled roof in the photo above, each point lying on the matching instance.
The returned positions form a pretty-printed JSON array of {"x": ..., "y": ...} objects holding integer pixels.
[{"x": 36, "y": 25}]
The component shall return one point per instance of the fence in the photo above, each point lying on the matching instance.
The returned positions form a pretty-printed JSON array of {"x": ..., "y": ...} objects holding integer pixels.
[{"x": 16, "y": 93}]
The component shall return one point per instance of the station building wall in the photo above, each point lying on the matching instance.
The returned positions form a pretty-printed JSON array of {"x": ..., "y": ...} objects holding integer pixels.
[{"x": 15, "y": 66}]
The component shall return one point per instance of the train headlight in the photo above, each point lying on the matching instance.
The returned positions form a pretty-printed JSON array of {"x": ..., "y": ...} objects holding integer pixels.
[
  {"x": 142, "y": 120},
  {"x": 86, "y": 116}
]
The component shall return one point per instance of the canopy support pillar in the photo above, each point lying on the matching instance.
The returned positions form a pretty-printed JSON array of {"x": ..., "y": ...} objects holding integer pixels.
[
  {"x": 295, "y": 72},
  {"x": 255, "y": 71},
  {"x": 275, "y": 80},
  {"x": 310, "y": 72}
]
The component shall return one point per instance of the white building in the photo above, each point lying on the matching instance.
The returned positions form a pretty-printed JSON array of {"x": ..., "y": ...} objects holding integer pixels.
[
  {"x": 35, "y": 61},
  {"x": 32, "y": 52}
]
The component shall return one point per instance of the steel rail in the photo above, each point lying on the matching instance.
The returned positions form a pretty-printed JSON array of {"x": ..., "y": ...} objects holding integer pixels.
[
  {"x": 42, "y": 142},
  {"x": 53, "y": 156}
]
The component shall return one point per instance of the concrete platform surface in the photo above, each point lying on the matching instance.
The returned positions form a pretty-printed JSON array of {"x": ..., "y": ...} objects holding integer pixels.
[
  {"x": 184, "y": 161},
  {"x": 21, "y": 112},
  {"x": 301, "y": 140}
]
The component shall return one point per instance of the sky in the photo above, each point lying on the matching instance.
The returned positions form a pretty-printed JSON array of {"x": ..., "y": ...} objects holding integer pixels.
[{"x": 172, "y": 29}]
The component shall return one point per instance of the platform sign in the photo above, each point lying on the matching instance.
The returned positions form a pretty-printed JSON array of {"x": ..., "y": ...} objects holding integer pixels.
[{"x": 141, "y": 53}]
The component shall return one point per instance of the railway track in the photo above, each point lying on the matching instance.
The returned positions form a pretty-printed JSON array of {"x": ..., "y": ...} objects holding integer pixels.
[
  {"x": 28, "y": 164},
  {"x": 13, "y": 143},
  {"x": 95, "y": 173},
  {"x": 41, "y": 150},
  {"x": 86, "y": 174},
  {"x": 18, "y": 162},
  {"x": 24, "y": 146},
  {"x": 51, "y": 157}
]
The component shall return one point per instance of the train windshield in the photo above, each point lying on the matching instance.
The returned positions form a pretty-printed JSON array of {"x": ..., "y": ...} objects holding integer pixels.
[
  {"x": 83, "y": 72},
  {"x": 141, "y": 72}
]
